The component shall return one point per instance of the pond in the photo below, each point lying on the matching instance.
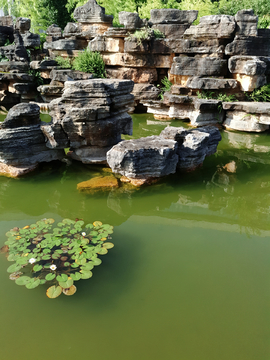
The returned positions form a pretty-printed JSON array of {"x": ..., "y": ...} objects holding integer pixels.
[{"x": 188, "y": 278}]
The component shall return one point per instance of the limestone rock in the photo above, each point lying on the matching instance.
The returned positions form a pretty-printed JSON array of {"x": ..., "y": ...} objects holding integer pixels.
[
  {"x": 55, "y": 31},
  {"x": 247, "y": 65},
  {"x": 91, "y": 12},
  {"x": 138, "y": 75},
  {"x": 204, "y": 66},
  {"x": 249, "y": 83},
  {"x": 72, "y": 29},
  {"x": 103, "y": 44},
  {"x": 249, "y": 45},
  {"x": 130, "y": 20},
  {"x": 63, "y": 75},
  {"x": 66, "y": 44},
  {"x": 246, "y": 23},
  {"x": 145, "y": 92},
  {"x": 30, "y": 40},
  {"x": 23, "y": 24},
  {"x": 172, "y": 31},
  {"x": 172, "y": 16},
  {"x": 90, "y": 154},
  {"x": 6, "y": 21},
  {"x": 199, "y": 83},
  {"x": 212, "y": 27},
  {"x": 144, "y": 158},
  {"x": 241, "y": 121},
  {"x": 22, "y": 142},
  {"x": 102, "y": 183},
  {"x": 193, "y": 145}
]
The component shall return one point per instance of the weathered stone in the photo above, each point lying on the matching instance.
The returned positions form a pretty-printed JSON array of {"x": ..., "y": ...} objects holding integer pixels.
[
  {"x": 172, "y": 16},
  {"x": 172, "y": 31},
  {"x": 30, "y": 40},
  {"x": 22, "y": 142},
  {"x": 23, "y": 88},
  {"x": 55, "y": 31},
  {"x": 144, "y": 158},
  {"x": 248, "y": 107},
  {"x": 246, "y": 23},
  {"x": 212, "y": 27},
  {"x": 66, "y": 44},
  {"x": 145, "y": 92},
  {"x": 138, "y": 75},
  {"x": 103, "y": 44},
  {"x": 247, "y": 65},
  {"x": 242, "y": 121},
  {"x": 204, "y": 66},
  {"x": 91, "y": 12},
  {"x": 102, "y": 183},
  {"x": 23, "y": 24},
  {"x": 138, "y": 60},
  {"x": 130, "y": 20},
  {"x": 72, "y": 29},
  {"x": 64, "y": 75},
  {"x": 132, "y": 45},
  {"x": 55, "y": 136},
  {"x": 16, "y": 77},
  {"x": 243, "y": 45},
  {"x": 193, "y": 145},
  {"x": 200, "y": 83},
  {"x": 249, "y": 83},
  {"x": 116, "y": 32},
  {"x": 6, "y": 21},
  {"x": 90, "y": 154}
]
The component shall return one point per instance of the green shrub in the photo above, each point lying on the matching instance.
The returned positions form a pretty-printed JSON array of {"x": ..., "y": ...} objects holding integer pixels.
[
  {"x": 90, "y": 62},
  {"x": 260, "y": 94},
  {"x": 56, "y": 255},
  {"x": 158, "y": 34},
  {"x": 38, "y": 79},
  {"x": 166, "y": 86},
  {"x": 63, "y": 63},
  {"x": 204, "y": 94},
  {"x": 146, "y": 33}
]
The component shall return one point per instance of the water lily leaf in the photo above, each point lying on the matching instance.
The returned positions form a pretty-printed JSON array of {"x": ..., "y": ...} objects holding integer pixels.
[
  {"x": 88, "y": 266},
  {"x": 76, "y": 276},
  {"x": 86, "y": 274},
  {"x": 68, "y": 221},
  {"x": 13, "y": 268},
  {"x": 50, "y": 277},
  {"x": 37, "y": 268},
  {"x": 55, "y": 256},
  {"x": 70, "y": 291},
  {"x": 66, "y": 264},
  {"x": 80, "y": 261},
  {"x": 108, "y": 245},
  {"x": 60, "y": 224},
  {"x": 93, "y": 233},
  {"x": 33, "y": 283},
  {"x": 23, "y": 280},
  {"x": 96, "y": 261},
  {"x": 12, "y": 257},
  {"x": 15, "y": 275},
  {"x": 42, "y": 281},
  {"x": 46, "y": 257},
  {"x": 66, "y": 284},
  {"x": 97, "y": 223},
  {"x": 73, "y": 231},
  {"x": 62, "y": 278},
  {"x": 79, "y": 223},
  {"x": 54, "y": 291},
  {"x": 46, "y": 251},
  {"x": 74, "y": 265},
  {"x": 49, "y": 221},
  {"x": 89, "y": 226},
  {"x": 102, "y": 251}
]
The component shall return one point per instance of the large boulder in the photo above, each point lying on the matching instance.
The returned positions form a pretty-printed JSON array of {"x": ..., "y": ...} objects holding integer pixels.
[
  {"x": 91, "y": 12},
  {"x": 246, "y": 23},
  {"x": 172, "y": 16},
  {"x": 130, "y": 20}
]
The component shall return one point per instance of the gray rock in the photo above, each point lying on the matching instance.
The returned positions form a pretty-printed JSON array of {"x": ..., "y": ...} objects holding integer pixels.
[
  {"x": 91, "y": 12},
  {"x": 55, "y": 31},
  {"x": 55, "y": 136},
  {"x": 204, "y": 66},
  {"x": 68, "y": 75},
  {"x": 66, "y": 44},
  {"x": 248, "y": 107},
  {"x": 145, "y": 92},
  {"x": 6, "y": 21},
  {"x": 23, "y": 24},
  {"x": 144, "y": 158},
  {"x": 132, "y": 45},
  {"x": 31, "y": 40},
  {"x": 116, "y": 32},
  {"x": 193, "y": 145},
  {"x": 90, "y": 154},
  {"x": 212, "y": 27},
  {"x": 72, "y": 29},
  {"x": 172, "y": 16},
  {"x": 251, "y": 45},
  {"x": 172, "y": 31},
  {"x": 247, "y": 65},
  {"x": 200, "y": 83},
  {"x": 130, "y": 20},
  {"x": 10, "y": 66},
  {"x": 246, "y": 23},
  {"x": 22, "y": 142}
]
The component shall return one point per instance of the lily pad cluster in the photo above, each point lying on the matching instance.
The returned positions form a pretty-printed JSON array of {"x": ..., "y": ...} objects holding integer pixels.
[{"x": 58, "y": 255}]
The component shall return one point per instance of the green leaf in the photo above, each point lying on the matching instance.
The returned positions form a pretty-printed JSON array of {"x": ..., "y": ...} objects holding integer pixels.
[
  {"x": 53, "y": 291},
  {"x": 74, "y": 265},
  {"x": 66, "y": 264},
  {"x": 76, "y": 276},
  {"x": 33, "y": 283},
  {"x": 46, "y": 257},
  {"x": 89, "y": 226},
  {"x": 42, "y": 281},
  {"x": 66, "y": 284},
  {"x": 79, "y": 223},
  {"x": 62, "y": 278},
  {"x": 96, "y": 261},
  {"x": 88, "y": 266},
  {"x": 102, "y": 251},
  {"x": 37, "y": 268},
  {"x": 13, "y": 268},
  {"x": 55, "y": 256},
  {"x": 108, "y": 245},
  {"x": 50, "y": 277},
  {"x": 23, "y": 280},
  {"x": 86, "y": 274}
]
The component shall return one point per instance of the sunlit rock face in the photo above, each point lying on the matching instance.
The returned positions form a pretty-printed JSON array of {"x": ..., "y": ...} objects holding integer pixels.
[{"x": 22, "y": 142}]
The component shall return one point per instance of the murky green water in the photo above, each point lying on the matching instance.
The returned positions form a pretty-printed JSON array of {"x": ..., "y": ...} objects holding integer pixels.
[{"x": 188, "y": 279}]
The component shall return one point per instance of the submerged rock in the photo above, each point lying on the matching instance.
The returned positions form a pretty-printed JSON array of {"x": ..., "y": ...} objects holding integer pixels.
[{"x": 98, "y": 183}]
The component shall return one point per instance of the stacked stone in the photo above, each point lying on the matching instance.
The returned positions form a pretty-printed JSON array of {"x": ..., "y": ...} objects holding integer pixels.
[
  {"x": 91, "y": 21},
  {"x": 144, "y": 160},
  {"x": 90, "y": 116},
  {"x": 22, "y": 142}
]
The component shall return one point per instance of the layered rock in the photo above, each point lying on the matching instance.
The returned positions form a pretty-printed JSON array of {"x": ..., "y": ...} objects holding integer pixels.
[
  {"x": 93, "y": 115},
  {"x": 22, "y": 142}
]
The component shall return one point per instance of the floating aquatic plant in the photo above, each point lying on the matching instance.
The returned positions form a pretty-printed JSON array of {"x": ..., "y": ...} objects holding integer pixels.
[{"x": 58, "y": 255}]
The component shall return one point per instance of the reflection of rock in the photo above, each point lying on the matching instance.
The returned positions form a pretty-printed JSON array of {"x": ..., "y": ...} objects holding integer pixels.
[{"x": 98, "y": 183}]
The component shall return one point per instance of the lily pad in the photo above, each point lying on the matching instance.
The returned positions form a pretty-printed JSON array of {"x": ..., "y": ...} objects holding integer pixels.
[
  {"x": 62, "y": 278},
  {"x": 15, "y": 275},
  {"x": 33, "y": 283},
  {"x": 54, "y": 291},
  {"x": 23, "y": 280},
  {"x": 13, "y": 268},
  {"x": 50, "y": 277},
  {"x": 108, "y": 245},
  {"x": 103, "y": 251},
  {"x": 67, "y": 284},
  {"x": 37, "y": 268},
  {"x": 86, "y": 274},
  {"x": 76, "y": 276},
  {"x": 70, "y": 291}
]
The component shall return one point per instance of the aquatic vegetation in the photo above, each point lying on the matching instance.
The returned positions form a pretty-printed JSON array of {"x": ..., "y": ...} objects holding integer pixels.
[{"x": 56, "y": 255}]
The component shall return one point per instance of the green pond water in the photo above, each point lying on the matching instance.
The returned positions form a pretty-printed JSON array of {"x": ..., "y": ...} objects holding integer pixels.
[{"x": 188, "y": 278}]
